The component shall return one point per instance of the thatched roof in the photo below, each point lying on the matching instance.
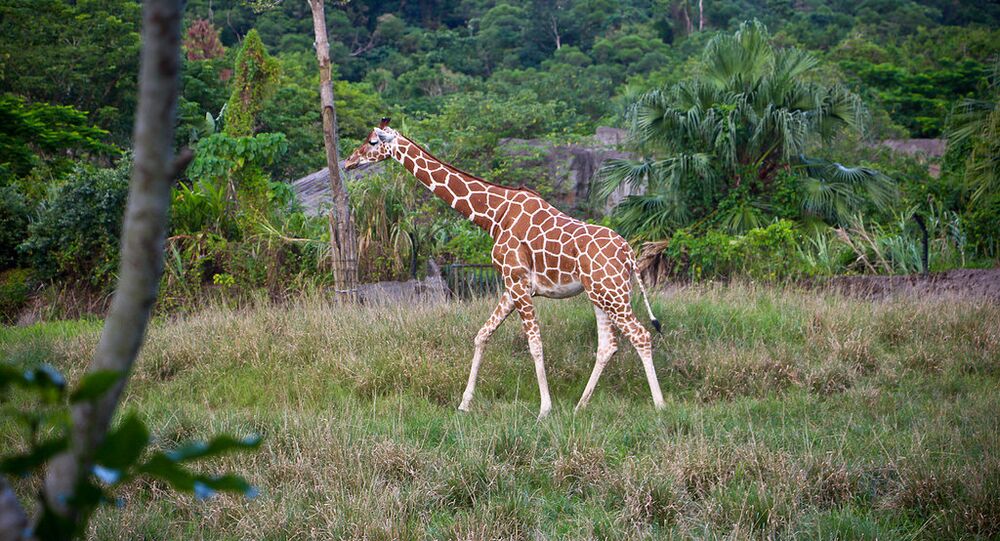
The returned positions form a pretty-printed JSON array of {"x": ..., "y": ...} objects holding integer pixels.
[{"x": 313, "y": 190}]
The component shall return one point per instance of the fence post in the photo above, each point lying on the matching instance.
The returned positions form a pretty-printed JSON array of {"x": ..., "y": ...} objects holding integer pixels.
[{"x": 924, "y": 254}]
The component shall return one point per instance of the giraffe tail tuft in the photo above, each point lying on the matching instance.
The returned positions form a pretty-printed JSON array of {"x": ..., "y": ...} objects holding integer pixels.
[{"x": 645, "y": 298}]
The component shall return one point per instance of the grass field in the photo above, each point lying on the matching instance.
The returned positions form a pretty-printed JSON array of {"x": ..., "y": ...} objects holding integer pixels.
[{"x": 790, "y": 414}]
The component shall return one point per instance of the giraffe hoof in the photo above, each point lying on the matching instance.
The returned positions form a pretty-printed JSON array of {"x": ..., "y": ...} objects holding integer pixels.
[{"x": 660, "y": 406}]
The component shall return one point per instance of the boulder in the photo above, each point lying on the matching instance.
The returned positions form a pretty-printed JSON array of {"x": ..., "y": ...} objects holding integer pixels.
[{"x": 570, "y": 169}]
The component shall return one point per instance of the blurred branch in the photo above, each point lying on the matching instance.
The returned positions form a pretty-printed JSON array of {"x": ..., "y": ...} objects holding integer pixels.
[
  {"x": 143, "y": 235},
  {"x": 13, "y": 520}
]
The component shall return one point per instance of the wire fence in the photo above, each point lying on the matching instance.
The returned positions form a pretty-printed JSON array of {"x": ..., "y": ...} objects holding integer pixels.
[{"x": 469, "y": 281}]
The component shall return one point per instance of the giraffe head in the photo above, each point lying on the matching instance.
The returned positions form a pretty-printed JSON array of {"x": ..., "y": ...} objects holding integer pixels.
[{"x": 376, "y": 148}]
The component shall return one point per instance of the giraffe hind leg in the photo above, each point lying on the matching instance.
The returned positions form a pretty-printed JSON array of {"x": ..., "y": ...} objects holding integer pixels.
[{"x": 632, "y": 329}]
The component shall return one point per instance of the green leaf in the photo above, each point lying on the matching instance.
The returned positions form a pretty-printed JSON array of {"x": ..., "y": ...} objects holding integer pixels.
[
  {"x": 223, "y": 483},
  {"x": 9, "y": 376},
  {"x": 217, "y": 446},
  {"x": 95, "y": 384},
  {"x": 202, "y": 486},
  {"x": 52, "y": 526},
  {"x": 168, "y": 467},
  {"x": 165, "y": 469},
  {"x": 25, "y": 463},
  {"x": 123, "y": 446},
  {"x": 44, "y": 377},
  {"x": 45, "y": 380}
]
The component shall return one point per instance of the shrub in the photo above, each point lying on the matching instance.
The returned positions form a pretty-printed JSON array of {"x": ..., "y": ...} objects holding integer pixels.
[
  {"x": 201, "y": 207},
  {"x": 983, "y": 227},
  {"x": 469, "y": 244},
  {"x": 14, "y": 217},
  {"x": 763, "y": 253},
  {"x": 712, "y": 255},
  {"x": 770, "y": 253},
  {"x": 229, "y": 186},
  {"x": 78, "y": 229},
  {"x": 895, "y": 247},
  {"x": 13, "y": 293}
]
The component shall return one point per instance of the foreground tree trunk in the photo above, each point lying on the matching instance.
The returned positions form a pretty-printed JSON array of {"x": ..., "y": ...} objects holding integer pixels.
[
  {"x": 343, "y": 240},
  {"x": 143, "y": 234}
]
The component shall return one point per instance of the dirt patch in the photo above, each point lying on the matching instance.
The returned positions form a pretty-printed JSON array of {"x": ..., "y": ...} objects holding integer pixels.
[{"x": 984, "y": 283}]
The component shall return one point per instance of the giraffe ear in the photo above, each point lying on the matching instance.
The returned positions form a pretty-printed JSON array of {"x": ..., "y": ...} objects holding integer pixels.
[{"x": 384, "y": 136}]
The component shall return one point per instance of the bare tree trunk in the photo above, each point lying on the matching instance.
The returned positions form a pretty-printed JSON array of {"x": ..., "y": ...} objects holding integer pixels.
[
  {"x": 343, "y": 240},
  {"x": 13, "y": 519},
  {"x": 555, "y": 31},
  {"x": 143, "y": 233},
  {"x": 687, "y": 18},
  {"x": 701, "y": 15},
  {"x": 679, "y": 12}
]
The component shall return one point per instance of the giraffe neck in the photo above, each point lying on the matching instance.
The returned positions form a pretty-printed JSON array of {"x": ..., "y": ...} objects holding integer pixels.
[{"x": 468, "y": 195}]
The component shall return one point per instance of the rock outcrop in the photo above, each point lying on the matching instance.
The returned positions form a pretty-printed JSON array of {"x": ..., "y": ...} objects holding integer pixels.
[{"x": 570, "y": 169}]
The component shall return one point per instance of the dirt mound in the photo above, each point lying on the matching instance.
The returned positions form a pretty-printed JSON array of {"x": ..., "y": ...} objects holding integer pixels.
[{"x": 963, "y": 282}]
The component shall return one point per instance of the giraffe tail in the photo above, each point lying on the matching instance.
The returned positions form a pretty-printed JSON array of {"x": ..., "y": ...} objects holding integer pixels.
[{"x": 645, "y": 297}]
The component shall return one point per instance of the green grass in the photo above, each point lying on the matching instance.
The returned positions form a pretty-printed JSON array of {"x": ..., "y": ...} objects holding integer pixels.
[{"x": 790, "y": 414}]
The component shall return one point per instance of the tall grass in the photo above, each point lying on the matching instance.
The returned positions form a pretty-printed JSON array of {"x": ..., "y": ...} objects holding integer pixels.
[{"x": 790, "y": 414}]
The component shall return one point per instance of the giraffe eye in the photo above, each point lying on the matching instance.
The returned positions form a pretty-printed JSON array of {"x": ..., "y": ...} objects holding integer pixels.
[{"x": 373, "y": 142}]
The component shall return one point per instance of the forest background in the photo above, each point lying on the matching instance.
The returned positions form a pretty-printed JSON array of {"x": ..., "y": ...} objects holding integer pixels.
[{"x": 755, "y": 144}]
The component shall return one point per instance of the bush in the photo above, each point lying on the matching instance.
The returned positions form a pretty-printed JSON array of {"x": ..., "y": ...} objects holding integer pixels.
[
  {"x": 13, "y": 293},
  {"x": 14, "y": 214},
  {"x": 77, "y": 233},
  {"x": 712, "y": 255},
  {"x": 764, "y": 253},
  {"x": 468, "y": 244},
  {"x": 771, "y": 253},
  {"x": 983, "y": 227}
]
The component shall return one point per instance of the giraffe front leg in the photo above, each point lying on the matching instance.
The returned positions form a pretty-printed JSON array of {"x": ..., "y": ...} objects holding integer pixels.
[
  {"x": 500, "y": 313},
  {"x": 529, "y": 323},
  {"x": 606, "y": 347}
]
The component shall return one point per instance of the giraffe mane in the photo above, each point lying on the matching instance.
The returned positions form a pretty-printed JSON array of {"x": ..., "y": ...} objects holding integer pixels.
[{"x": 521, "y": 188}]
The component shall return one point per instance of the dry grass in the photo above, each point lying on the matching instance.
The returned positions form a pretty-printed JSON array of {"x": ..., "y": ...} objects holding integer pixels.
[{"x": 789, "y": 414}]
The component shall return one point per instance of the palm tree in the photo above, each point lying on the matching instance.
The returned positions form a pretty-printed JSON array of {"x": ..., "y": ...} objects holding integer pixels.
[
  {"x": 976, "y": 123},
  {"x": 712, "y": 147}
]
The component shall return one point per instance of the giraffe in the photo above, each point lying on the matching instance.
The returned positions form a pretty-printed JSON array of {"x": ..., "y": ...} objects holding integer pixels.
[{"x": 537, "y": 250}]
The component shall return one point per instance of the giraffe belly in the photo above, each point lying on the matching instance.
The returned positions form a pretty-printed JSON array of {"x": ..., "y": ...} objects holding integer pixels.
[{"x": 547, "y": 288}]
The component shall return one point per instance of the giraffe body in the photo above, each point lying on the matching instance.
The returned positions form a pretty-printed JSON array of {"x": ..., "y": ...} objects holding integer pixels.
[{"x": 538, "y": 250}]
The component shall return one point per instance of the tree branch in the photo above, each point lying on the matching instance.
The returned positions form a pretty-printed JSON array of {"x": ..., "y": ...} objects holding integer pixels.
[
  {"x": 143, "y": 232},
  {"x": 13, "y": 520}
]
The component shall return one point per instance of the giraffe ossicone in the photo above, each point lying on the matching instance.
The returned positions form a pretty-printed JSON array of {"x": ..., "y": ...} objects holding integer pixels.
[{"x": 537, "y": 250}]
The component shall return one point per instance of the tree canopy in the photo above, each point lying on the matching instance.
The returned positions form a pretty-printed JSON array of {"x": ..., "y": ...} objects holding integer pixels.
[{"x": 714, "y": 145}]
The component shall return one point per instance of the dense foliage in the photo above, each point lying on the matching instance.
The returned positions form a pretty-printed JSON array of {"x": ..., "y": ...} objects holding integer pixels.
[
  {"x": 737, "y": 127},
  {"x": 76, "y": 231},
  {"x": 714, "y": 146}
]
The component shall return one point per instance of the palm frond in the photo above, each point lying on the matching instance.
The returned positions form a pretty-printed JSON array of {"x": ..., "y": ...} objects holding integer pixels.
[
  {"x": 740, "y": 57},
  {"x": 835, "y": 191},
  {"x": 740, "y": 218},
  {"x": 622, "y": 172},
  {"x": 791, "y": 64},
  {"x": 651, "y": 217}
]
